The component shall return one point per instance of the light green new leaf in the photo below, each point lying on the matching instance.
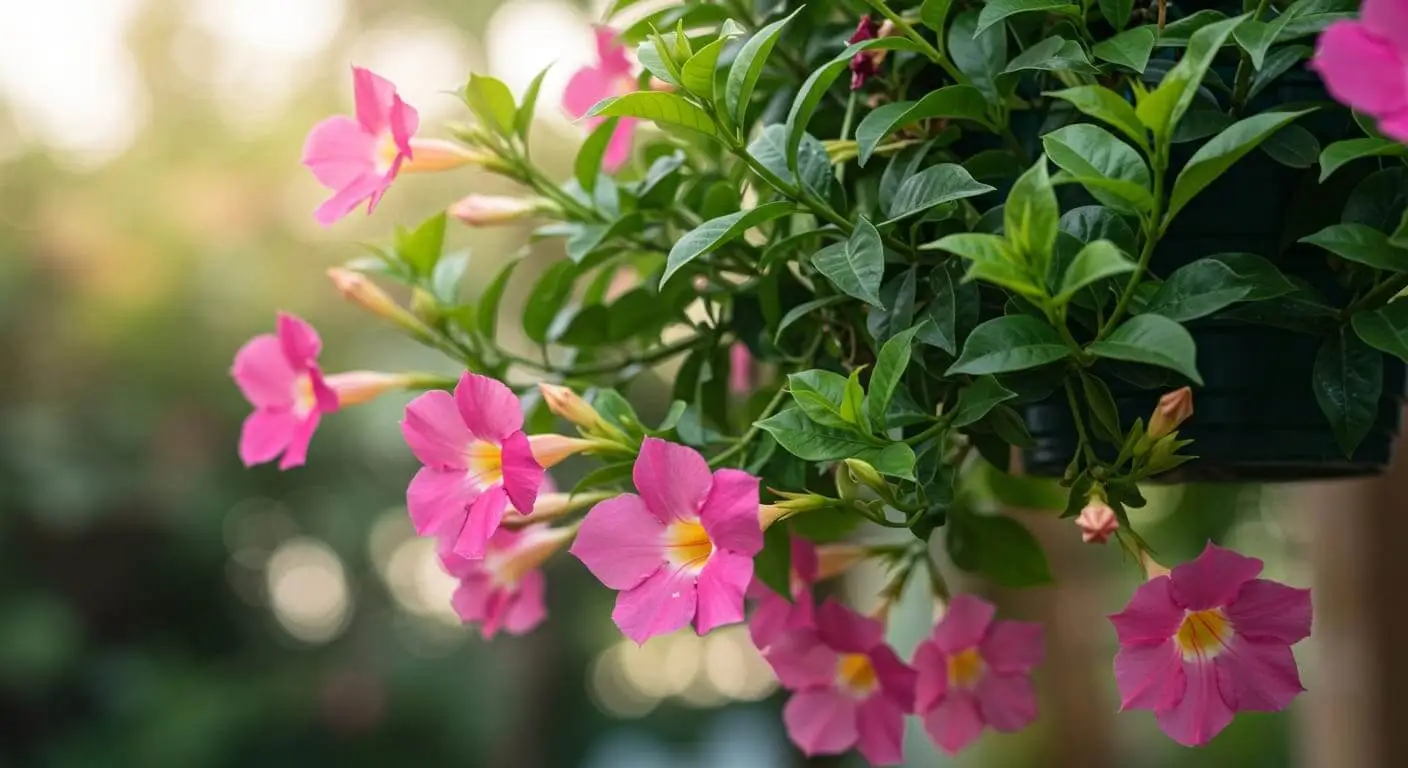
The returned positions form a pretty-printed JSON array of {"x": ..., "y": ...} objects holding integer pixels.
[
  {"x": 587, "y": 166},
  {"x": 1152, "y": 340},
  {"x": 712, "y": 234},
  {"x": 857, "y": 268},
  {"x": 697, "y": 74},
  {"x": 1215, "y": 157},
  {"x": 956, "y": 101},
  {"x": 1031, "y": 217},
  {"x": 747, "y": 67},
  {"x": 1130, "y": 48},
  {"x": 1011, "y": 343},
  {"x": 890, "y": 365},
  {"x": 933, "y": 186},
  {"x": 1105, "y": 105},
  {"x": 993, "y": 260},
  {"x": 659, "y": 107},
  {"x": 1161, "y": 110},
  {"x": 523, "y": 119},
  {"x": 1362, "y": 244},
  {"x": 820, "y": 394},
  {"x": 1095, "y": 262},
  {"x": 492, "y": 102},
  {"x": 1089, "y": 151},
  {"x": 1336, "y": 155}
]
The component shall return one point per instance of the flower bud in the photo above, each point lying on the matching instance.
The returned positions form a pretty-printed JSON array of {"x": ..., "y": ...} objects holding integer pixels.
[
  {"x": 551, "y": 506},
  {"x": 432, "y": 155},
  {"x": 792, "y": 504},
  {"x": 537, "y": 544},
  {"x": 1097, "y": 522},
  {"x": 491, "y": 210},
  {"x": 1173, "y": 409},
  {"x": 357, "y": 387},
  {"x": 424, "y": 306},
  {"x": 568, "y": 405},
  {"x": 867, "y": 476},
  {"x": 835, "y": 559},
  {"x": 358, "y": 289},
  {"x": 550, "y": 450}
]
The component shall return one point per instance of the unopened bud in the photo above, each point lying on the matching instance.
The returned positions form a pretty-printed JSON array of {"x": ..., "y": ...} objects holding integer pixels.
[
  {"x": 432, "y": 155},
  {"x": 357, "y": 387},
  {"x": 792, "y": 504},
  {"x": 551, "y": 506},
  {"x": 358, "y": 289},
  {"x": 424, "y": 306},
  {"x": 492, "y": 210},
  {"x": 846, "y": 486},
  {"x": 1097, "y": 522},
  {"x": 836, "y": 559},
  {"x": 533, "y": 548},
  {"x": 1173, "y": 409},
  {"x": 568, "y": 405},
  {"x": 550, "y": 450},
  {"x": 867, "y": 476}
]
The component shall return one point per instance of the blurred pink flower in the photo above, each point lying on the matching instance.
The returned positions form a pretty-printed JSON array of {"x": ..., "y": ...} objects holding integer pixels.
[
  {"x": 611, "y": 76},
  {"x": 1208, "y": 640},
  {"x": 504, "y": 590},
  {"x": 1364, "y": 63},
  {"x": 682, "y": 550},
  {"x": 850, "y": 689},
  {"x": 976, "y": 672},
  {"x": 775, "y": 615},
  {"x": 279, "y": 376},
  {"x": 863, "y": 64},
  {"x": 476, "y": 459},
  {"x": 740, "y": 370},
  {"x": 359, "y": 158}
]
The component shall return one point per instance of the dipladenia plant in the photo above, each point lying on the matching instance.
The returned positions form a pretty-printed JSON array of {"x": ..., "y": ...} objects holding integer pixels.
[{"x": 862, "y": 245}]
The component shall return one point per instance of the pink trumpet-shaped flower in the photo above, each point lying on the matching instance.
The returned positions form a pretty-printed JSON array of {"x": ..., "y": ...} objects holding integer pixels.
[
  {"x": 611, "y": 76},
  {"x": 279, "y": 376},
  {"x": 504, "y": 590},
  {"x": 1208, "y": 640},
  {"x": 359, "y": 157},
  {"x": 1364, "y": 63},
  {"x": 682, "y": 550},
  {"x": 477, "y": 460},
  {"x": 976, "y": 672},
  {"x": 850, "y": 689},
  {"x": 774, "y": 615}
]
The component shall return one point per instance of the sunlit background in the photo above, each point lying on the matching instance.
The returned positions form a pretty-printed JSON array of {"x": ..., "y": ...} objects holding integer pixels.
[{"x": 160, "y": 605}]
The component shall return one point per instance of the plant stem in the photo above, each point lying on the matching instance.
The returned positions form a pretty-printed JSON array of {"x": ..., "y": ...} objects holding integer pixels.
[
  {"x": 653, "y": 356},
  {"x": 935, "y": 55},
  {"x": 1076, "y": 416},
  {"x": 846, "y": 134},
  {"x": 1381, "y": 294},
  {"x": 753, "y": 430},
  {"x": 1153, "y": 230},
  {"x": 1244, "y": 68}
]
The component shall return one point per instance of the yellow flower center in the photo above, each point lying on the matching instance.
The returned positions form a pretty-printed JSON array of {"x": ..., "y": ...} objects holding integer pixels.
[
  {"x": 855, "y": 674},
  {"x": 485, "y": 463},
  {"x": 1203, "y": 634},
  {"x": 687, "y": 544},
  {"x": 386, "y": 152},
  {"x": 965, "y": 668},
  {"x": 304, "y": 401}
]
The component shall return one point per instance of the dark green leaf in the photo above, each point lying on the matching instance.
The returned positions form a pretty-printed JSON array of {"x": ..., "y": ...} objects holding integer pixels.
[
  {"x": 1130, "y": 48},
  {"x": 489, "y": 302},
  {"x": 1338, "y": 154},
  {"x": 941, "y": 326},
  {"x": 820, "y": 394},
  {"x": 1054, "y": 54},
  {"x": 1089, "y": 223},
  {"x": 889, "y": 369},
  {"x": 934, "y": 186},
  {"x": 1348, "y": 380},
  {"x": 956, "y": 101},
  {"x": 1008, "y": 425},
  {"x": 978, "y": 399},
  {"x": 1012, "y": 343},
  {"x": 1152, "y": 340},
  {"x": 1105, "y": 105},
  {"x": 1215, "y": 157},
  {"x": 979, "y": 55},
  {"x": 1385, "y": 328},
  {"x": 999, "y": 548},
  {"x": 1089, "y": 151},
  {"x": 802, "y": 310},
  {"x": 715, "y": 233},
  {"x": 1262, "y": 278},
  {"x": 1280, "y": 60},
  {"x": 934, "y": 13},
  {"x": 857, "y": 268},
  {"x": 1116, "y": 12},
  {"x": 1361, "y": 244},
  {"x": 997, "y": 10},
  {"x": 813, "y": 164},
  {"x": 1105, "y": 414},
  {"x": 1095, "y": 262},
  {"x": 549, "y": 293},
  {"x": 812, "y": 442},
  {"x": 1293, "y": 146}
]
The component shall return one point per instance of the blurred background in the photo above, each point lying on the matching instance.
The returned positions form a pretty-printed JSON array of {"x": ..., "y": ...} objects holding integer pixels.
[{"x": 162, "y": 606}]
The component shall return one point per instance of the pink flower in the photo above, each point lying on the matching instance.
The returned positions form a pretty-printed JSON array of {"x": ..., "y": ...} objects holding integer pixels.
[
  {"x": 863, "y": 64},
  {"x": 610, "y": 77},
  {"x": 476, "y": 459},
  {"x": 974, "y": 671},
  {"x": 279, "y": 376},
  {"x": 505, "y": 588},
  {"x": 740, "y": 369},
  {"x": 682, "y": 550},
  {"x": 1097, "y": 522},
  {"x": 775, "y": 615},
  {"x": 1365, "y": 63},
  {"x": 851, "y": 690},
  {"x": 1208, "y": 640},
  {"x": 359, "y": 158}
]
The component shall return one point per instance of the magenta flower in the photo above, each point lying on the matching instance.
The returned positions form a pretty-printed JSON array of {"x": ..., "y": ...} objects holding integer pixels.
[
  {"x": 740, "y": 369},
  {"x": 359, "y": 158},
  {"x": 504, "y": 590},
  {"x": 976, "y": 672},
  {"x": 774, "y": 615},
  {"x": 610, "y": 77},
  {"x": 1208, "y": 640},
  {"x": 279, "y": 376},
  {"x": 1365, "y": 63},
  {"x": 476, "y": 459},
  {"x": 851, "y": 690},
  {"x": 682, "y": 550}
]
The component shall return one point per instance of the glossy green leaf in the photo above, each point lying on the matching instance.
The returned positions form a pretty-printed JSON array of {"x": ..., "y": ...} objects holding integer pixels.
[
  {"x": 1215, "y": 157},
  {"x": 995, "y": 11},
  {"x": 1088, "y": 151},
  {"x": 934, "y": 14},
  {"x": 1096, "y": 261},
  {"x": 1293, "y": 146},
  {"x": 890, "y": 365},
  {"x": 997, "y": 547},
  {"x": 1385, "y": 328},
  {"x": 1256, "y": 37},
  {"x": 546, "y": 299},
  {"x": 812, "y": 442},
  {"x": 940, "y": 326},
  {"x": 978, "y": 399},
  {"x": 1011, "y": 343},
  {"x": 857, "y": 268},
  {"x": 1348, "y": 380},
  {"x": 933, "y": 186},
  {"x": 956, "y": 101},
  {"x": 1201, "y": 288},
  {"x": 980, "y": 55},
  {"x": 748, "y": 66},
  {"x": 1031, "y": 217},
  {"x": 813, "y": 164},
  {"x": 805, "y": 308},
  {"x": 492, "y": 102},
  {"x": 1104, "y": 412},
  {"x": 654, "y": 54},
  {"x": 488, "y": 308},
  {"x": 421, "y": 248},
  {"x": 715, "y": 233},
  {"x": 1116, "y": 12},
  {"x": 697, "y": 74},
  {"x": 820, "y": 394},
  {"x": 1361, "y": 244},
  {"x": 658, "y": 107},
  {"x": 523, "y": 119},
  {"x": 1130, "y": 48},
  {"x": 1262, "y": 278},
  {"x": 1054, "y": 54},
  {"x": 587, "y": 166},
  {"x": 1336, "y": 155},
  {"x": 1161, "y": 110},
  {"x": 1105, "y": 105},
  {"x": 1152, "y": 340}
]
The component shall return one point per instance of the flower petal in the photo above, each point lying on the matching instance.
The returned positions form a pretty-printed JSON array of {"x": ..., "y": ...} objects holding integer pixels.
[
  {"x": 1257, "y": 676},
  {"x": 435, "y": 432},
  {"x": 659, "y": 605},
  {"x": 1361, "y": 68},
  {"x": 300, "y": 341},
  {"x": 1151, "y": 616},
  {"x": 405, "y": 121},
  {"x": 263, "y": 374},
  {"x": 804, "y": 560},
  {"x": 955, "y": 722},
  {"x": 1267, "y": 610},
  {"x": 1388, "y": 18},
  {"x": 483, "y": 520},
  {"x": 721, "y": 586},
  {"x": 339, "y": 152},
  {"x": 880, "y": 731},
  {"x": 610, "y": 53},
  {"x": 897, "y": 679},
  {"x": 821, "y": 721},
  {"x": 1202, "y": 713},
  {"x": 438, "y": 500},
  {"x": 488, "y": 408},
  {"x": 730, "y": 513},
  {"x": 774, "y": 616},
  {"x": 1213, "y": 579},
  {"x": 673, "y": 479},
  {"x": 1395, "y": 124},
  {"x": 1149, "y": 676},
  {"x": 1007, "y": 702},
  {"x": 374, "y": 95},
  {"x": 265, "y": 434},
  {"x": 346, "y": 199},
  {"x": 587, "y": 86},
  {"x": 801, "y": 660},
  {"x": 845, "y": 630},
  {"x": 620, "y": 542},
  {"x": 523, "y": 476},
  {"x": 931, "y": 680},
  {"x": 618, "y": 150},
  {"x": 528, "y": 608},
  {"x": 297, "y": 451},
  {"x": 964, "y": 623},
  {"x": 1013, "y": 646},
  {"x": 471, "y": 598}
]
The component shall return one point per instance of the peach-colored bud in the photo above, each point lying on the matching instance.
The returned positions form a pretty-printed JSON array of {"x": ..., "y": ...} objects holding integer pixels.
[
  {"x": 360, "y": 290},
  {"x": 551, "y": 450},
  {"x": 539, "y": 542},
  {"x": 357, "y": 387},
  {"x": 568, "y": 405},
  {"x": 551, "y": 506},
  {"x": 432, "y": 155},
  {"x": 792, "y": 504},
  {"x": 491, "y": 210},
  {"x": 1152, "y": 569},
  {"x": 1173, "y": 409},
  {"x": 1097, "y": 522},
  {"x": 836, "y": 559}
]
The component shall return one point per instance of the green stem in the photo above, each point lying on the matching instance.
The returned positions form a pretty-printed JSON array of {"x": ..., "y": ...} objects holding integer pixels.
[
  {"x": 1244, "y": 68},
  {"x": 845, "y": 134},
  {"x": 1153, "y": 230},
  {"x": 935, "y": 55},
  {"x": 653, "y": 356},
  {"x": 1080, "y": 422},
  {"x": 747, "y": 437},
  {"x": 1381, "y": 294}
]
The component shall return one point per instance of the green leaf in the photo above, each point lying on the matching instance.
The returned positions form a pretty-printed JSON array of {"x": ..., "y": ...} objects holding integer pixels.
[
  {"x": 993, "y": 260},
  {"x": 1105, "y": 414},
  {"x": 773, "y": 563},
  {"x": 654, "y": 55},
  {"x": 549, "y": 293},
  {"x": 1399, "y": 238},
  {"x": 940, "y": 328},
  {"x": 1178, "y": 33},
  {"x": 659, "y": 107},
  {"x": 492, "y": 102},
  {"x": 588, "y": 163},
  {"x": 1089, "y": 223},
  {"x": 1116, "y": 12},
  {"x": 1130, "y": 48},
  {"x": 856, "y": 269},
  {"x": 1007, "y": 424},
  {"x": 523, "y": 119},
  {"x": 1161, "y": 110},
  {"x": 1012, "y": 343},
  {"x": 748, "y": 67},
  {"x": 1208, "y": 285},
  {"x": 1361, "y": 244},
  {"x": 589, "y": 237},
  {"x": 802, "y": 310},
  {"x": 1338, "y": 154},
  {"x": 820, "y": 394},
  {"x": 489, "y": 302},
  {"x": 978, "y": 399},
  {"x": 1105, "y": 105},
  {"x": 1256, "y": 37},
  {"x": 697, "y": 74},
  {"x": 1293, "y": 146},
  {"x": 980, "y": 55},
  {"x": 714, "y": 233},
  {"x": 997, "y": 10},
  {"x": 1089, "y": 151},
  {"x": 1215, "y": 157},
  {"x": 1348, "y": 380},
  {"x": 813, "y": 442},
  {"x": 933, "y": 186},
  {"x": 1031, "y": 217},
  {"x": 421, "y": 248},
  {"x": 889, "y": 369},
  {"x": 1152, "y": 340},
  {"x": 853, "y": 402},
  {"x": 956, "y": 101},
  {"x": 1277, "y": 64},
  {"x": 813, "y": 164},
  {"x": 1385, "y": 328},
  {"x": 1096, "y": 261},
  {"x": 1054, "y": 54},
  {"x": 997, "y": 547},
  {"x": 1133, "y": 198},
  {"x": 934, "y": 13},
  {"x": 447, "y": 278},
  {"x": 1262, "y": 278}
]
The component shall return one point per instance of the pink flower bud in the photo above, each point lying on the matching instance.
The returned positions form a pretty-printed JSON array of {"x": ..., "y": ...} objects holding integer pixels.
[
  {"x": 1097, "y": 522},
  {"x": 491, "y": 210},
  {"x": 551, "y": 450},
  {"x": 1173, "y": 409},
  {"x": 358, "y": 289},
  {"x": 433, "y": 155},
  {"x": 357, "y": 387},
  {"x": 568, "y": 405}
]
